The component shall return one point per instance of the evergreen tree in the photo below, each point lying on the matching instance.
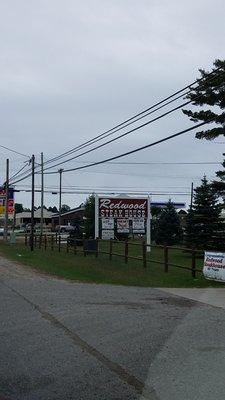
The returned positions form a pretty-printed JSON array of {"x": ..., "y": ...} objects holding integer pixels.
[
  {"x": 18, "y": 208},
  {"x": 65, "y": 208},
  {"x": 89, "y": 214},
  {"x": 204, "y": 229},
  {"x": 53, "y": 209},
  {"x": 210, "y": 91},
  {"x": 168, "y": 230}
]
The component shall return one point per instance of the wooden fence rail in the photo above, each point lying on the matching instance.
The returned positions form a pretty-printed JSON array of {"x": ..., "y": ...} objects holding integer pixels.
[{"x": 85, "y": 247}]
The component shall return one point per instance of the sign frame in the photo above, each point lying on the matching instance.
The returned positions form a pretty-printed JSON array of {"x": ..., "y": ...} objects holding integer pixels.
[{"x": 148, "y": 219}]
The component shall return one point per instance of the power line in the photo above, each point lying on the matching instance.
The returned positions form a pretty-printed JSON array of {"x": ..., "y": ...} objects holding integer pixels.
[
  {"x": 26, "y": 176},
  {"x": 118, "y": 137},
  {"x": 109, "y": 133},
  {"x": 122, "y": 135},
  {"x": 139, "y": 114},
  {"x": 14, "y": 151},
  {"x": 156, "y": 162},
  {"x": 135, "y": 150},
  {"x": 17, "y": 173},
  {"x": 137, "y": 192}
]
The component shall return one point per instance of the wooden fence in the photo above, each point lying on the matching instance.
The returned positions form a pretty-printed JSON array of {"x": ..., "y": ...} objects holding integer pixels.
[{"x": 56, "y": 242}]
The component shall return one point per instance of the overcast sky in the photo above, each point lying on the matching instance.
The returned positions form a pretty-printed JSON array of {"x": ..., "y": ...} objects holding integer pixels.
[{"x": 70, "y": 71}]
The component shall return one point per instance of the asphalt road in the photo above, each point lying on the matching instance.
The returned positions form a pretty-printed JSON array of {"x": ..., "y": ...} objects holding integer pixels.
[{"x": 64, "y": 340}]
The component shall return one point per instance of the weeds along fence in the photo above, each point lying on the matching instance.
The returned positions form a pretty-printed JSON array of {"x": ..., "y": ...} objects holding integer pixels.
[{"x": 127, "y": 250}]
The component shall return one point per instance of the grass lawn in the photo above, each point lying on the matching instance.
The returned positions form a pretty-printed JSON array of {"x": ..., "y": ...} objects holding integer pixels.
[{"x": 102, "y": 270}]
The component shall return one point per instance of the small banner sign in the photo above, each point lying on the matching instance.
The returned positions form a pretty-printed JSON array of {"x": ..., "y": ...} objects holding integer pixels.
[
  {"x": 138, "y": 225},
  {"x": 107, "y": 223},
  {"x": 214, "y": 266},
  {"x": 123, "y": 226},
  {"x": 107, "y": 234}
]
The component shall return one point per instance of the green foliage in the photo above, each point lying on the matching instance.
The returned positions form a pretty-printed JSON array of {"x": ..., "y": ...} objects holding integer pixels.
[
  {"x": 89, "y": 214},
  {"x": 204, "y": 229},
  {"x": 65, "y": 208},
  {"x": 211, "y": 92},
  {"x": 53, "y": 209},
  {"x": 18, "y": 208},
  {"x": 168, "y": 229}
]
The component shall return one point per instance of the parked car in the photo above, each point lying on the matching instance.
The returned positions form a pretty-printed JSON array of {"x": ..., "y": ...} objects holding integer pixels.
[
  {"x": 65, "y": 228},
  {"x": 1, "y": 231}
]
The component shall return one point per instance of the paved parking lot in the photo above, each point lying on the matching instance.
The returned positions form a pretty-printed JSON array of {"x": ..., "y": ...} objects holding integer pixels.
[{"x": 68, "y": 340}]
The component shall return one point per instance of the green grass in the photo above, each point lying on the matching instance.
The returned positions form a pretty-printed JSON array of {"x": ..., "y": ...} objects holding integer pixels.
[{"x": 102, "y": 270}]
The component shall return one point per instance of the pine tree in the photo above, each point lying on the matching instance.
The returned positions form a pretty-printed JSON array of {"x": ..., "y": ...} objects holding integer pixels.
[
  {"x": 89, "y": 213},
  {"x": 168, "y": 230},
  {"x": 210, "y": 91},
  {"x": 203, "y": 226}
]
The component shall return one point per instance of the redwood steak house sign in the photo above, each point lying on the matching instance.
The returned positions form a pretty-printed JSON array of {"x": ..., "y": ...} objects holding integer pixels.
[
  {"x": 123, "y": 208},
  {"x": 214, "y": 266}
]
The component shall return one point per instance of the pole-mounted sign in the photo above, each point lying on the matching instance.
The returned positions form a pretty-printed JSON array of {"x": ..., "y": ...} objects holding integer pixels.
[{"x": 120, "y": 214}]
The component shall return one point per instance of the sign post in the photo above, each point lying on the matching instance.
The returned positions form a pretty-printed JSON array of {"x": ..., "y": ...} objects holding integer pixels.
[
  {"x": 148, "y": 228},
  {"x": 96, "y": 216}
]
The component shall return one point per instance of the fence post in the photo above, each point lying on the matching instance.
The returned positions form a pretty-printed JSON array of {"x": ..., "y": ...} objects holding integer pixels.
[
  {"x": 45, "y": 241},
  {"x": 97, "y": 244},
  {"x": 85, "y": 253},
  {"x": 75, "y": 247},
  {"x": 59, "y": 241},
  {"x": 110, "y": 248},
  {"x": 25, "y": 239},
  {"x": 52, "y": 242},
  {"x": 144, "y": 254},
  {"x": 67, "y": 246},
  {"x": 40, "y": 241},
  {"x": 126, "y": 251},
  {"x": 193, "y": 264},
  {"x": 166, "y": 265},
  {"x": 35, "y": 240}
]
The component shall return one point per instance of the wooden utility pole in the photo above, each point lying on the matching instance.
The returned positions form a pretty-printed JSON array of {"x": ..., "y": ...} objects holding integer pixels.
[
  {"x": 42, "y": 193},
  {"x": 192, "y": 189},
  {"x": 6, "y": 201},
  {"x": 60, "y": 195},
  {"x": 32, "y": 205}
]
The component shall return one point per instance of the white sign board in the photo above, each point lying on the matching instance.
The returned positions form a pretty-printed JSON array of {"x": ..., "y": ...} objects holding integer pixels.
[
  {"x": 138, "y": 225},
  {"x": 214, "y": 266},
  {"x": 107, "y": 223},
  {"x": 123, "y": 225},
  {"x": 107, "y": 234}
]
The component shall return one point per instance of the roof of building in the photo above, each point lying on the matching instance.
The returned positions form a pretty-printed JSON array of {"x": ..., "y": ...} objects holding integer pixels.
[
  {"x": 37, "y": 214},
  {"x": 74, "y": 210}
]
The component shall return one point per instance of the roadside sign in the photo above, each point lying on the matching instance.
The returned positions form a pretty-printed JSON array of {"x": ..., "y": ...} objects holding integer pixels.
[
  {"x": 214, "y": 266},
  {"x": 10, "y": 203}
]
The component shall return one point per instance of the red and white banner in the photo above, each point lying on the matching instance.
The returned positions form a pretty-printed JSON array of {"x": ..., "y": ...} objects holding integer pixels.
[{"x": 112, "y": 207}]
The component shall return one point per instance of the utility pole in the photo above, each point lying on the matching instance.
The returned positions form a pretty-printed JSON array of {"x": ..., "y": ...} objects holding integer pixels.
[
  {"x": 6, "y": 201},
  {"x": 192, "y": 189},
  {"x": 42, "y": 193},
  {"x": 60, "y": 195},
  {"x": 32, "y": 205}
]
